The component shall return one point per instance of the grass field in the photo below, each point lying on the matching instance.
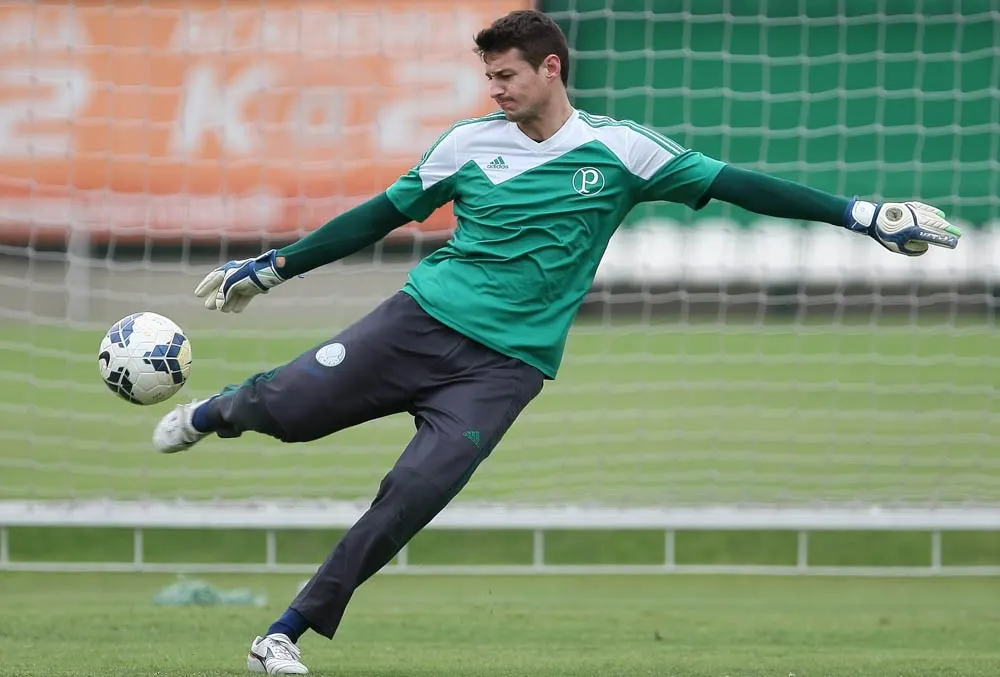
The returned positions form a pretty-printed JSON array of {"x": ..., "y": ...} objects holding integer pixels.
[
  {"x": 54, "y": 625},
  {"x": 82, "y": 625},
  {"x": 778, "y": 413}
]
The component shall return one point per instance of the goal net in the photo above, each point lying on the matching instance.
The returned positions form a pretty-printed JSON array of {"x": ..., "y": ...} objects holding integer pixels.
[{"x": 721, "y": 358}]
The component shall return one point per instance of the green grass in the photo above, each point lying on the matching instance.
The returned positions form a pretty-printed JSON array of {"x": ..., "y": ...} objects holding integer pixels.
[
  {"x": 655, "y": 414},
  {"x": 692, "y": 626}
]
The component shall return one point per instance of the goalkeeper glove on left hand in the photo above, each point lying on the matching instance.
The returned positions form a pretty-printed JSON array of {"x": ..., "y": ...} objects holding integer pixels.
[
  {"x": 231, "y": 286},
  {"x": 907, "y": 228}
]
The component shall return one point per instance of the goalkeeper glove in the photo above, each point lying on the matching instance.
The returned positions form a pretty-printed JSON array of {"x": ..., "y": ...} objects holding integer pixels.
[
  {"x": 231, "y": 286},
  {"x": 907, "y": 228}
]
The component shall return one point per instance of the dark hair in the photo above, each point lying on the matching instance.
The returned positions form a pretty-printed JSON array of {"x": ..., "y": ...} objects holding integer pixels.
[{"x": 532, "y": 32}]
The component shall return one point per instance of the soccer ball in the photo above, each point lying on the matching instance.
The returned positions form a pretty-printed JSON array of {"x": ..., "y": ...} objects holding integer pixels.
[{"x": 144, "y": 358}]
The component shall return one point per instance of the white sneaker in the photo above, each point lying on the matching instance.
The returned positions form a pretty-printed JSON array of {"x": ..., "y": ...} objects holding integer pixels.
[
  {"x": 174, "y": 432},
  {"x": 275, "y": 655}
]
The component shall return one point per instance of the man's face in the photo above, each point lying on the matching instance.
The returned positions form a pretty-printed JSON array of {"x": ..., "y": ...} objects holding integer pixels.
[{"x": 520, "y": 90}]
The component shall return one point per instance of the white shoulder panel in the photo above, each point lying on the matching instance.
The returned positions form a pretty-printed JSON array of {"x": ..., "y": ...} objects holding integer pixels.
[
  {"x": 642, "y": 151},
  {"x": 649, "y": 152},
  {"x": 450, "y": 153}
]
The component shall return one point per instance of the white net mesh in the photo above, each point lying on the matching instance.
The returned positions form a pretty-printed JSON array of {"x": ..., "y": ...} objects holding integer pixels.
[{"x": 719, "y": 359}]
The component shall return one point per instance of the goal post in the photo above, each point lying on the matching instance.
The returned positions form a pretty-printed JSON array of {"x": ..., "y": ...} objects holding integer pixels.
[{"x": 721, "y": 360}]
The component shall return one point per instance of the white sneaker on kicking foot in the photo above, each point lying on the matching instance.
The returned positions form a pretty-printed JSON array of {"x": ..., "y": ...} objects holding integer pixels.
[
  {"x": 275, "y": 655},
  {"x": 174, "y": 432}
]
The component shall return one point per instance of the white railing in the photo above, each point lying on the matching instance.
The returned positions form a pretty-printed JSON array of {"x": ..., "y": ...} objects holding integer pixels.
[{"x": 271, "y": 517}]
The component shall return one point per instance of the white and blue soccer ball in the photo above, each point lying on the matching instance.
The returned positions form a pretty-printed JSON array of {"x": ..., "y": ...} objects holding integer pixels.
[{"x": 145, "y": 358}]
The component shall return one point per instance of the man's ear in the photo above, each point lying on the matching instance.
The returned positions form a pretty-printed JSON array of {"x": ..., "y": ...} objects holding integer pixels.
[{"x": 551, "y": 66}]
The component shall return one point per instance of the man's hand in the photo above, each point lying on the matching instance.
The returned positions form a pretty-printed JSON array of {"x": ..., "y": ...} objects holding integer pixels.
[
  {"x": 230, "y": 287},
  {"x": 907, "y": 228}
]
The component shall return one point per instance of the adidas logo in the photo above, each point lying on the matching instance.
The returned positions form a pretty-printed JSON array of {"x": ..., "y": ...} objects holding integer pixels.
[
  {"x": 472, "y": 435},
  {"x": 497, "y": 163}
]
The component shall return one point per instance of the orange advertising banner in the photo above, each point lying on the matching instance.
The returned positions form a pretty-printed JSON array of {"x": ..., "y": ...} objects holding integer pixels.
[{"x": 210, "y": 118}]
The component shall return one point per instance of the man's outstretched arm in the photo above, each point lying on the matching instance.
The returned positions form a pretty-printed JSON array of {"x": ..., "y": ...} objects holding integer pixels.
[
  {"x": 770, "y": 196},
  {"x": 231, "y": 286},
  {"x": 902, "y": 227},
  {"x": 344, "y": 235},
  {"x": 667, "y": 171},
  {"x": 429, "y": 185}
]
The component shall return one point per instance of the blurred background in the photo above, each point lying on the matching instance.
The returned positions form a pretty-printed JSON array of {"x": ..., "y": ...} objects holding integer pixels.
[{"x": 723, "y": 361}]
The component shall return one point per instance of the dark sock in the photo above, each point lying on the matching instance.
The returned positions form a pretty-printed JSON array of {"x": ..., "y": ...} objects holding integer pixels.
[
  {"x": 204, "y": 419},
  {"x": 292, "y": 624}
]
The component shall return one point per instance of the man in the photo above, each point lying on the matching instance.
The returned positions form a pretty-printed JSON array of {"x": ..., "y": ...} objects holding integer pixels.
[{"x": 538, "y": 189}]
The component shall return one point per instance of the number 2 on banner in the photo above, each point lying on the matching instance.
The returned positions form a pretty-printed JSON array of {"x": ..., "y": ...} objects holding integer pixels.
[{"x": 37, "y": 106}]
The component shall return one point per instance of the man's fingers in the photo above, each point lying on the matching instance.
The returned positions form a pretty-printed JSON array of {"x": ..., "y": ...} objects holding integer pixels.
[
  {"x": 940, "y": 237},
  {"x": 209, "y": 284},
  {"x": 932, "y": 227},
  {"x": 920, "y": 206},
  {"x": 229, "y": 302},
  {"x": 230, "y": 288}
]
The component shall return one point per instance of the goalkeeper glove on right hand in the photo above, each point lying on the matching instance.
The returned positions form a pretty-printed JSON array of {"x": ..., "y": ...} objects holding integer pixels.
[
  {"x": 907, "y": 228},
  {"x": 231, "y": 286}
]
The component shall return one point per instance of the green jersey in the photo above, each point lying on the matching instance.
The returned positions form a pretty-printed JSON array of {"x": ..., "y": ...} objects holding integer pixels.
[{"x": 533, "y": 221}]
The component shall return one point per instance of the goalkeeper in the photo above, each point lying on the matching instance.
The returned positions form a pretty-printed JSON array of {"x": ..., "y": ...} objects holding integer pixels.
[{"x": 538, "y": 188}]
